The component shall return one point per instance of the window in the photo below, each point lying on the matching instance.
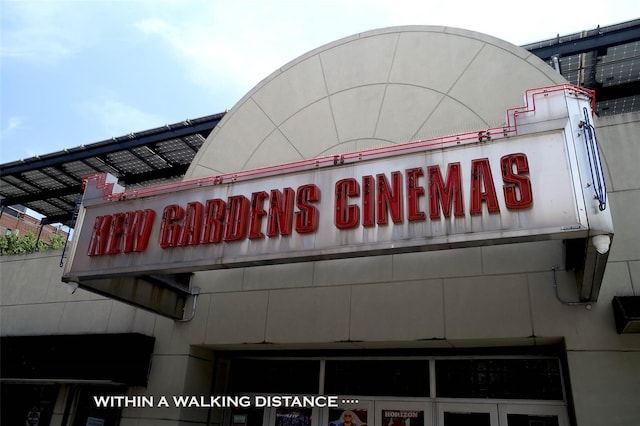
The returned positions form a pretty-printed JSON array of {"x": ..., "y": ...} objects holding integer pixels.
[
  {"x": 377, "y": 378},
  {"x": 538, "y": 378},
  {"x": 275, "y": 376}
]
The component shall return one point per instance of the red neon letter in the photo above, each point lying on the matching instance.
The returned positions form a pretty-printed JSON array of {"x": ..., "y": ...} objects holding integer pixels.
[
  {"x": 138, "y": 230},
  {"x": 346, "y": 215},
  {"x": 414, "y": 192},
  {"x": 307, "y": 217},
  {"x": 515, "y": 182},
  {"x": 368, "y": 201},
  {"x": 190, "y": 233},
  {"x": 481, "y": 179},
  {"x": 281, "y": 212},
  {"x": 116, "y": 232},
  {"x": 214, "y": 211},
  {"x": 99, "y": 236},
  {"x": 170, "y": 226},
  {"x": 389, "y": 201},
  {"x": 257, "y": 213},
  {"x": 443, "y": 195},
  {"x": 237, "y": 218}
]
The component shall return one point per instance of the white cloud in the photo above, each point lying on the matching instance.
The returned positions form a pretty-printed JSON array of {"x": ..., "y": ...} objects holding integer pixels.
[
  {"x": 13, "y": 124},
  {"x": 514, "y": 22},
  {"x": 239, "y": 43},
  {"x": 39, "y": 31},
  {"x": 117, "y": 118}
]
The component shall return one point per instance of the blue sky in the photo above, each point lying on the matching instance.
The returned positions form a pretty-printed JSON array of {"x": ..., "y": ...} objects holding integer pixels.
[{"x": 83, "y": 71}]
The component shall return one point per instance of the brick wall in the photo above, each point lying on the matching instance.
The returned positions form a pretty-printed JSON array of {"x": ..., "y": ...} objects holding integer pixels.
[{"x": 16, "y": 221}]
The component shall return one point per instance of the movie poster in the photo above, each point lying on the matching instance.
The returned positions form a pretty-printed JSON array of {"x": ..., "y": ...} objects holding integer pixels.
[
  {"x": 402, "y": 418},
  {"x": 354, "y": 417},
  {"x": 293, "y": 417}
]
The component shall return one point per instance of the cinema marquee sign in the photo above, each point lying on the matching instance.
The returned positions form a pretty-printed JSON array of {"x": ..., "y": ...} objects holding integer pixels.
[
  {"x": 367, "y": 202},
  {"x": 527, "y": 181}
]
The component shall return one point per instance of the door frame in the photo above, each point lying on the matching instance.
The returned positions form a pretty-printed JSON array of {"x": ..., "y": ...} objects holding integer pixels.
[
  {"x": 533, "y": 409},
  {"x": 490, "y": 408}
]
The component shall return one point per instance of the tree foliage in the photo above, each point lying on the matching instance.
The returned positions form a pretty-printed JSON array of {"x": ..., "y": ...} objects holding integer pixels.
[{"x": 12, "y": 243}]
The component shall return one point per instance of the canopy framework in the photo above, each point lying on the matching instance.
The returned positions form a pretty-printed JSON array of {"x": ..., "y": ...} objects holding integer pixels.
[{"x": 51, "y": 184}]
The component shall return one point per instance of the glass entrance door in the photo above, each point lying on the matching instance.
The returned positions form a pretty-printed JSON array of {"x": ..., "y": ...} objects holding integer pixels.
[
  {"x": 532, "y": 415},
  {"x": 376, "y": 412},
  {"x": 467, "y": 414},
  {"x": 399, "y": 413},
  {"x": 488, "y": 414}
]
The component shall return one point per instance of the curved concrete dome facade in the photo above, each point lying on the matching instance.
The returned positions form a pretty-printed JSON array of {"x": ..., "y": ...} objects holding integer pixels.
[{"x": 378, "y": 88}]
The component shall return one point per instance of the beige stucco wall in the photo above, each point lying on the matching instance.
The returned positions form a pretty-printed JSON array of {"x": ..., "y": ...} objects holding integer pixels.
[
  {"x": 382, "y": 87},
  {"x": 372, "y": 89}
]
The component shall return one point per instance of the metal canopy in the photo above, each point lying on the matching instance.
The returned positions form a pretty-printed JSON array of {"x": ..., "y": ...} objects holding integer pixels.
[
  {"x": 51, "y": 184},
  {"x": 606, "y": 59}
]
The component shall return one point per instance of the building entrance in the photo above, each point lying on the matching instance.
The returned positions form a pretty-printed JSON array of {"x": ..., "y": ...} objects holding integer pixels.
[
  {"x": 403, "y": 413},
  {"x": 408, "y": 391}
]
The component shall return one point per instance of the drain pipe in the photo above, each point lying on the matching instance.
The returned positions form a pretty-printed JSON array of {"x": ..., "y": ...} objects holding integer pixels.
[
  {"x": 587, "y": 305},
  {"x": 194, "y": 292}
]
